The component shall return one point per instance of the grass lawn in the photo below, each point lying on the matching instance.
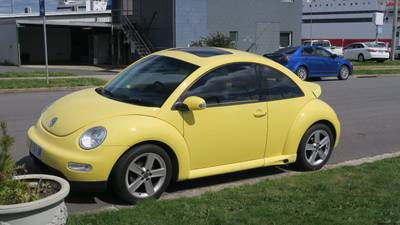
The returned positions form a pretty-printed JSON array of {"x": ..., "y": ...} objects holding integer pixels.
[
  {"x": 40, "y": 83},
  {"x": 367, "y": 194},
  {"x": 35, "y": 74},
  {"x": 377, "y": 71},
  {"x": 374, "y": 63}
]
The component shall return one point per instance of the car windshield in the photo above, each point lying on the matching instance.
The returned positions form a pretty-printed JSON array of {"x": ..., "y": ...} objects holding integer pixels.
[
  {"x": 288, "y": 51},
  {"x": 149, "y": 82},
  {"x": 375, "y": 45}
]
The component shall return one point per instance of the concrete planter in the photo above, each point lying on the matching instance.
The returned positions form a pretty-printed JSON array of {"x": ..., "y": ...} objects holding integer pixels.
[{"x": 47, "y": 211}]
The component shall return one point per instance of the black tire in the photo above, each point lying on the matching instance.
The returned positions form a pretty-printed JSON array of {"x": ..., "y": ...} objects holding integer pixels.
[
  {"x": 302, "y": 162},
  {"x": 344, "y": 73},
  {"x": 302, "y": 73},
  {"x": 361, "y": 58},
  {"x": 119, "y": 174}
]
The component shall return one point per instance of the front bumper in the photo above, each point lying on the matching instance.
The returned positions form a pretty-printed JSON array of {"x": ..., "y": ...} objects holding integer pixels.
[{"x": 57, "y": 152}]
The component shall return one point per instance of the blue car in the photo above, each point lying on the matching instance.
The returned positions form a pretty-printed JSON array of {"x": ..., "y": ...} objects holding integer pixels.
[{"x": 312, "y": 62}]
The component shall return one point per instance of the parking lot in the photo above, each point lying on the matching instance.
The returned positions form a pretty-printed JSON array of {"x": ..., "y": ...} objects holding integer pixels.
[{"x": 368, "y": 108}]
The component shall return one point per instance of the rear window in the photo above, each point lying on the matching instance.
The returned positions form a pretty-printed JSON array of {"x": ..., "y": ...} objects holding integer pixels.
[
  {"x": 287, "y": 51},
  {"x": 375, "y": 45}
]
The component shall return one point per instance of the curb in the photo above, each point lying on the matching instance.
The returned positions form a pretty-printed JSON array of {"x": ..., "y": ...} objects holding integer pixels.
[
  {"x": 218, "y": 187},
  {"x": 34, "y": 90}
]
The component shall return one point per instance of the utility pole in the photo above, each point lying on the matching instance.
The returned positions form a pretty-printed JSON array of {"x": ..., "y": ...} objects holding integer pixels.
[
  {"x": 394, "y": 31},
  {"x": 42, "y": 10},
  {"x": 12, "y": 6}
]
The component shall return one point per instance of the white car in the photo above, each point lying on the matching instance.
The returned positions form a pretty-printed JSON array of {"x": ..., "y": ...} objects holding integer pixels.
[
  {"x": 362, "y": 51},
  {"x": 325, "y": 44}
]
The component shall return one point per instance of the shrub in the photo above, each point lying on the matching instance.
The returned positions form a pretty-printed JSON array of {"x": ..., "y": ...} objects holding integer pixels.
[
  {"x": 11, "y": 191},
  {"x": 214, "y": 40}
]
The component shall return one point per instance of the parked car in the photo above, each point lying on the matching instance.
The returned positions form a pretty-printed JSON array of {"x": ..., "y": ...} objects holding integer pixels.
[
  {"x": 311, "y": 62},
  {"x": 325, "y": 44},
  {"x": 363, "y": 51},
  {"x": 185, "y": 113}
]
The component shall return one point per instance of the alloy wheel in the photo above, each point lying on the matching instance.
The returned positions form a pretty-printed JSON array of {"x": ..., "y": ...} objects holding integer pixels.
[
  {"x": 317, "y": 147},
  {"x": 145, "y": 175},
  {"x": 344, "y": 73},
  {"x": 302, "y": 73}
]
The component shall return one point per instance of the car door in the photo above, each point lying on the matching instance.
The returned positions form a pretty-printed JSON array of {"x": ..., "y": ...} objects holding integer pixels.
[
  {"x": 306, "y": 56},
  {"x": 320, "y": 62},
  {"x": 348, "y": 52},
  {"x": 233, "y": 126},
  {"x": 284, "y": 101},
  {"x": 327, "y": 64}
]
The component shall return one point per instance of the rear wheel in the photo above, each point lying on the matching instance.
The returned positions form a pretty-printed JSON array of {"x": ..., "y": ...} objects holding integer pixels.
[
  {"x": 344, "y": 73},
  {"x": 302, "y": 73},
  {"x": 315, "y": 147},
  {"x": 361, "y": 58},
  {"x": 143, "y": 172}
]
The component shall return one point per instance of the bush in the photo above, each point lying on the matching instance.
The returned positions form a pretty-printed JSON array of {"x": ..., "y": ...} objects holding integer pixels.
[
  {"x": 214, "y": 40},
  {"x": 11, "y": 191}
]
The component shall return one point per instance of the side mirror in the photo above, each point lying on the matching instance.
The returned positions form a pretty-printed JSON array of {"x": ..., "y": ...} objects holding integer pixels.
[
  {"x": 334, "y": 56},
  {"x": 191, "y": 103}
]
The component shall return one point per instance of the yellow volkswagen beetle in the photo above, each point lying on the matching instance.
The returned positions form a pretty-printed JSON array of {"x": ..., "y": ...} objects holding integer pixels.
[{"x": 181, "y": 114}]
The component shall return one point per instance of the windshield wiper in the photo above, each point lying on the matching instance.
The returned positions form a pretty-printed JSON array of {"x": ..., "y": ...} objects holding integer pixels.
[
  {"x": 104, "y": 91},
  {"x": 137, "y": 101}
]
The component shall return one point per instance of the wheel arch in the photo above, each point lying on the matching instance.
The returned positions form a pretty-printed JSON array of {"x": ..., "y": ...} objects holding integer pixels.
[
  {"x": 142, "y": 130},
  {"x": 306, "y": 118}
]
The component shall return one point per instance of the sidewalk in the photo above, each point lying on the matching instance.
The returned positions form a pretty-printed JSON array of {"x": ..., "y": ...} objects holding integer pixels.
[
  {"x": 78, "y": 69},
  {"x": 104, "y": 77}
]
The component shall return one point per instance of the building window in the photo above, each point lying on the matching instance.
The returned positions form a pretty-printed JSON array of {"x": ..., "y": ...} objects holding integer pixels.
[
  {"x": 234, "y": 35},
  {"x": 285, "y": 39}
]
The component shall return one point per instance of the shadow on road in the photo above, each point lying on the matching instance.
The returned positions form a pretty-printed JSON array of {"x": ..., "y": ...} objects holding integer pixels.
[{"x": 107, "y": 197}]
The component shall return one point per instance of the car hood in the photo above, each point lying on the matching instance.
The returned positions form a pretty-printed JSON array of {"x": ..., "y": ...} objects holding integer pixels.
[{"x": 86, "y": 107}]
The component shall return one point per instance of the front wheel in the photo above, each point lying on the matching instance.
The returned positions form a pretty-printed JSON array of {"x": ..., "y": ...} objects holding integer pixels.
[
  {"x": 344, "y": 73},
  {"x": 302, "y": 73},
  {"x": 143, "y": 172},
  {"x": 315, "y": 147}
]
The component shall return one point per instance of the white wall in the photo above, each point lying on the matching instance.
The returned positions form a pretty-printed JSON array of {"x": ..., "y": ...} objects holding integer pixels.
[
  {"x": 9, "y": 43},
  {"x": 190, "y": 21}
]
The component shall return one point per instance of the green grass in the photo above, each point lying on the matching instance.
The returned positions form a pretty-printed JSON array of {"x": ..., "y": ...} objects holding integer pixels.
[
  {"x": 377, "y": 72},
  {"x": 40, "y": 83},
  {"x": 367, "y": 195},
  {"x": 374, "y": 63},
  {"x": 35, "y": 74}
]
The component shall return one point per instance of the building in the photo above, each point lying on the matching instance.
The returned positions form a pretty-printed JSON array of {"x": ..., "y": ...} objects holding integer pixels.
[
  {"x": 79, "y": 34},
  {"x": 347, "y": 21}
]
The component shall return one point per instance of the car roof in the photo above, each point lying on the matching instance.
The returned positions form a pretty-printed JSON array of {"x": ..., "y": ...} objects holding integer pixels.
[{"x": 205, "y": 55}]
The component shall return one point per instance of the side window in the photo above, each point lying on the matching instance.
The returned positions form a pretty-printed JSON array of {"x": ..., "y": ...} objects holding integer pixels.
[
  {"x": 277, "y": 86},
  {"x": 232, "y": 83},
  {"x": 322, "y": 53},
  {"x": 308, "y": 51}
]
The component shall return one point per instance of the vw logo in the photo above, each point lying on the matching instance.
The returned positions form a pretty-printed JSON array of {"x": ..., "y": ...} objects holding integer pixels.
[{"x": 52, "y": 122}]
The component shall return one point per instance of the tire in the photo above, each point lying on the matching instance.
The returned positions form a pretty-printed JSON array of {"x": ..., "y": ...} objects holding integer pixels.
[
  {"x": 302, "y": 73},
  {"x": 344, "y": 73},
  {"x": 361, "y": 58},
  {"x": 312, "y": 155},
  {"x": 133, "y": 181}
]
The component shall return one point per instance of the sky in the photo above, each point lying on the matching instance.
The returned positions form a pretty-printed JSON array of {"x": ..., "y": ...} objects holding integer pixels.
[{"x": 20, "y": 5}]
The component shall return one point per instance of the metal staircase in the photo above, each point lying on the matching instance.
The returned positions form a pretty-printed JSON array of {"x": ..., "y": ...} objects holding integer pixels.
[{"x": 141, "y": 43}]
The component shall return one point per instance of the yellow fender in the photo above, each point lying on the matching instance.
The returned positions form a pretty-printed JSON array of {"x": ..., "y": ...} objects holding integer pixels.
[
  {"x": 133, "y": 130},
  {"x": 305, "y": 119}
]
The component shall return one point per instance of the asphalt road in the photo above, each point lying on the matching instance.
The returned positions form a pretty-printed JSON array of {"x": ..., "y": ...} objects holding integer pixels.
[{"x": 369, "y": 110}]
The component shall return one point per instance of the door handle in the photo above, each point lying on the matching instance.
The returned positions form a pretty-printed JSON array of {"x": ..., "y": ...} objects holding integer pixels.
[{"x": 259, "y": 113}]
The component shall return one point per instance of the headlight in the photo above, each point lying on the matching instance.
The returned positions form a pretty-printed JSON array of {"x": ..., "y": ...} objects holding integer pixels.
[{"x": 92, "y": 138}]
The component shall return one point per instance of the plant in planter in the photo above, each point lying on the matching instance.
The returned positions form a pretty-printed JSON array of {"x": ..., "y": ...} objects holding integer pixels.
[
  {"x": 214, "y": 40},
  {"x": 28, "y": 199}
]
